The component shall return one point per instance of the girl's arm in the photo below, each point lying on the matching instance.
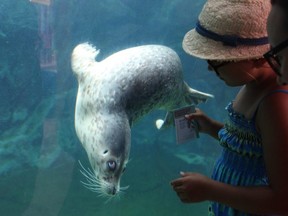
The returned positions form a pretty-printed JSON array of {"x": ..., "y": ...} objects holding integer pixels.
[{"x": 206, "y": 124}]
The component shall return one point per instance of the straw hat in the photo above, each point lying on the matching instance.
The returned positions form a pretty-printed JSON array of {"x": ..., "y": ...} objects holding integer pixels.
[{"x": 230, "y": 30}]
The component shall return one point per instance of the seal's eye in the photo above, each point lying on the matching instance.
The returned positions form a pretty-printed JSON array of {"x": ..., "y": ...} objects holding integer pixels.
[{"x": 111, "y": 165}]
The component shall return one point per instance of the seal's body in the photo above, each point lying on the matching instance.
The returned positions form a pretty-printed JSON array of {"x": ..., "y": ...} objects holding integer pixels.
[{"x": 114, "y": 93}]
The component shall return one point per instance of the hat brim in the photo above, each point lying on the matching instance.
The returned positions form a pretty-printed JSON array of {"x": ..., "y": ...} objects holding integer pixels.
[{"x": 205, "y": 48}]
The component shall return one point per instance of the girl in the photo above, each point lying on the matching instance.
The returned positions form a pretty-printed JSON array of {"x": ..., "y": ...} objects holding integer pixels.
[{"x": 250, "y": 177}]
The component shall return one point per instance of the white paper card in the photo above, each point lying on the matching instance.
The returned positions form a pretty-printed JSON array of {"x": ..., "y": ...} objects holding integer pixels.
[{"x": 185, "y": 130}]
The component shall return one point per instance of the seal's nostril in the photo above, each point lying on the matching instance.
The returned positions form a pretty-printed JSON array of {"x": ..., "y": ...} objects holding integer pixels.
[{"x": 114, "y": 191}]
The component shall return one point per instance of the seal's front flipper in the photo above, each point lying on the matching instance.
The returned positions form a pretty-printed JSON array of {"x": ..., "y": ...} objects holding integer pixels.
[
  {"x": 166, "y": 122},
  {"x": 195, "y": 97},
  {"x": 192, "y": 97}
]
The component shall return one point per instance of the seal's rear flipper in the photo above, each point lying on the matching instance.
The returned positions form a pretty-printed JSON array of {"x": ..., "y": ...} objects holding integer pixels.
[
  {"x": 83, "y": 59},
  {"x": 195, "y": 97}
]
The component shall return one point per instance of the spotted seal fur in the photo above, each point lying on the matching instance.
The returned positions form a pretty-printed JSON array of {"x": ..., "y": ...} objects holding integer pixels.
[{"x": 116, "y": 92}]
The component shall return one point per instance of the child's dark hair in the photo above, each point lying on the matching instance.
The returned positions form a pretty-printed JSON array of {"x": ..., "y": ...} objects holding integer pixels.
[{"x": 282, "y": 3}]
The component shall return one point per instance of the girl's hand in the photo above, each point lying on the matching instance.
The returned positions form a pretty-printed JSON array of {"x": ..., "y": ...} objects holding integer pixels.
[
  {"x": 191, "y": 187},
  {"x": 205, "y": 124}
]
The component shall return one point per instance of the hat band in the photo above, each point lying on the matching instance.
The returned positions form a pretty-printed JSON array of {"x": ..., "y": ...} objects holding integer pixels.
[{"x": 229, "y": 40}]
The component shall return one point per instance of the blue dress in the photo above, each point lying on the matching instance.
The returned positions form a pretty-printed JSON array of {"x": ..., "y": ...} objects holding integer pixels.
[{"x": 241, "y": 162}]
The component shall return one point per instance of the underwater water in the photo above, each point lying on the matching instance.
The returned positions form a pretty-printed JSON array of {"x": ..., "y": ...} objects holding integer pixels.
[{"x": 39, "y": 149}]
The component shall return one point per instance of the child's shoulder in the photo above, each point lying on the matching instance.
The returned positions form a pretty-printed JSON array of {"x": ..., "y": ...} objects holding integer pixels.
[
  {"x": 277, "y": 92},
  {"x": 275, "y": 99}
]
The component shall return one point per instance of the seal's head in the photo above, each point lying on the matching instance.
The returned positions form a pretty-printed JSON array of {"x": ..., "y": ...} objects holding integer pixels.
[{"x": 108, "y": 148}]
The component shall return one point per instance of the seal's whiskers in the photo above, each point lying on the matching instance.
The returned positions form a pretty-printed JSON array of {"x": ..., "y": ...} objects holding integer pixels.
[
  {"x": 122, "y": 189},
  {"x": 93, "y": 183}
]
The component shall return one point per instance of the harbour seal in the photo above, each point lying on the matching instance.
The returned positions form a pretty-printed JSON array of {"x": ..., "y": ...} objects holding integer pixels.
[{"x": 116, "y": 92}]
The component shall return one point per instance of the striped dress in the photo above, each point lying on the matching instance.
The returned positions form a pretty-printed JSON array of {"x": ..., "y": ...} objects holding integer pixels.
[{"x": 241, "y": 162}]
